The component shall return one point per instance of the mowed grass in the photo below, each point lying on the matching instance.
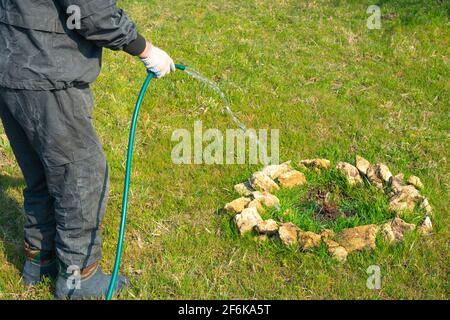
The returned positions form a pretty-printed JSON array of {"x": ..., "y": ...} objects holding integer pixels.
[{"x": 312, "y": 69}]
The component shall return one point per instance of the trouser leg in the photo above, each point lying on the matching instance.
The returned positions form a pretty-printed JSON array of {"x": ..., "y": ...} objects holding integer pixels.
[
  {"x": 81, "y": 193},
  {"x": 58, "y": 124},
  {"x": 39, "y": 229}
]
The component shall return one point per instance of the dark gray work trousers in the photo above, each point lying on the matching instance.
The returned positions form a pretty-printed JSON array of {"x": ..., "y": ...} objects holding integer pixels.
[{"x": 65, "y": 170}]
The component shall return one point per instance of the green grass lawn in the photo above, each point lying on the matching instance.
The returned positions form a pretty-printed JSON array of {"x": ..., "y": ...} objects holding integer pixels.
[{"x": 312, "y": 69}]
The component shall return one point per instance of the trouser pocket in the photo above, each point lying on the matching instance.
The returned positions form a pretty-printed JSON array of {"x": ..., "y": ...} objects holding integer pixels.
[{"x": 85, "y": 102}]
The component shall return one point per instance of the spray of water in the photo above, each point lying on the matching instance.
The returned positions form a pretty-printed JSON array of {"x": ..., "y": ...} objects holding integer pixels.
[
  {"x": 227, "y": 109},
  {"x": 215, "y": 87}
]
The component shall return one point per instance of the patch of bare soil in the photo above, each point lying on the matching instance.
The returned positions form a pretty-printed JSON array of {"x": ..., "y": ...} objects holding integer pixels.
[{"x": 327, "y": 204}]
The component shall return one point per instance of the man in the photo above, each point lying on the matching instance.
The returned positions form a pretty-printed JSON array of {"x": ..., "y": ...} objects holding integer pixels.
[{"x": 50, "y": 51}]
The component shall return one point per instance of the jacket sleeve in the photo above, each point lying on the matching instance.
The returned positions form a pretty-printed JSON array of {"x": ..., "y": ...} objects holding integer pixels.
[{"x": 106, "y": 25}]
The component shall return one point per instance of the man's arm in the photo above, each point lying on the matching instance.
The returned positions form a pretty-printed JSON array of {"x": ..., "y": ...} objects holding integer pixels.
[
  {"x": 106, "y": 25},
  {"x": 109, "y": 27}
]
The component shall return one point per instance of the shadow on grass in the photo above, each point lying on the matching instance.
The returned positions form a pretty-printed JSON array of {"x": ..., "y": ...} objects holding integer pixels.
[{"x": 11, "y": 222}]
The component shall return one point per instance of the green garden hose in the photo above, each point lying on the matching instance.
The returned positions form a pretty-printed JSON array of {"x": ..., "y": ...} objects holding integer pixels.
[{"x": 126, "y": 187}]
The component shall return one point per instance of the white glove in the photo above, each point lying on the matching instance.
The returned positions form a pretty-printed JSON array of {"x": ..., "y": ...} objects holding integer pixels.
[{"x": 158, "y": 62}]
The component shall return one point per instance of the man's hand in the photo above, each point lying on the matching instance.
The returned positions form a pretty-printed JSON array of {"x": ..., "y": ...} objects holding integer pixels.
[{"x": 157, "y": 61}]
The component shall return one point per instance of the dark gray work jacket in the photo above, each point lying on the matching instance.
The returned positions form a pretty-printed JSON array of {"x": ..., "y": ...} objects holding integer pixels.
[{"x": 42, "y": 47}]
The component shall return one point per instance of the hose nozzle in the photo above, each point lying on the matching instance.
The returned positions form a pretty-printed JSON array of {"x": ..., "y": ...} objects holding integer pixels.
[{"x": 180, "y": 66}]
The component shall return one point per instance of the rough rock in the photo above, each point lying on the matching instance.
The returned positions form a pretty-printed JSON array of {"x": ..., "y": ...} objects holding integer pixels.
[
  {"x": 405, "y": 200},
  {"x": 350, "y": 172},
  {"x": 378, "y": 174},
  {"x": 247, "y": 220},
  {"x": 236, "y": 206},
  {"x": 267, "y": 199},
  {"x": 276, "y": 170},
  {"x": 383, "y": 172},
  {"x": 258, "y": 205},
  {"x": 397, "y": 182},
  {"x": 288, "y": 233},
  {"x": 402, "y": 226},
  {"x": 395, "y": 230},
  {"x": 358, "y": 238},
  {"x": 416, "y": 182},
  {"x": 388, "y": 233},
  {"x": 268, "y": 227},
  {"x": 426, "y": 227},
  {"x": 362, "y": 165},
  {"x": 262, "y": 182},
  {"x": 425, "y": 205},
  {"x": 316, "y": 163},
  {"x": 327, "y": 233},
  {"x": 372, "y": 175},
  {"x": 309, "y": 240},
  {"x": 244, "y": 189},
  {"x": 337, "y": 251},
  {"x": 291, "y": 179}
]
